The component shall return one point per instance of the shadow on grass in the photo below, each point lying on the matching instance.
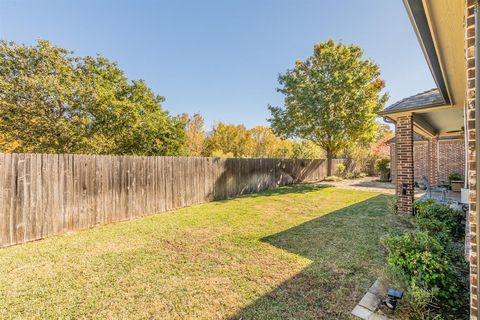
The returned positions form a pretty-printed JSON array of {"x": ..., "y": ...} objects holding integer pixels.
[
  {"x": 364, "y": 184},
  {"x": 297, "y": 188},
  {"x": 346, "y": 258},
  {"x": 375, "y": 184},
  {"x": 302, "y": 188}
]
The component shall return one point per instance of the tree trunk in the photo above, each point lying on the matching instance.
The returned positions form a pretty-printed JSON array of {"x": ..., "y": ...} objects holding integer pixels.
[{"x": 329, "y": 162}]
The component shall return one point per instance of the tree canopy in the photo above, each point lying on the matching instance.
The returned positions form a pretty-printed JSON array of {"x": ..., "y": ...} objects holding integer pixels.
[
  {"x": 306, "y": 149},
  {"x": 229, "y": 140},
  {"x": 54, "y": 102},
  {"x": 265, "y": 144},
  {"x": 195, "y": 134},
  {"x": 331, "y": 99}
]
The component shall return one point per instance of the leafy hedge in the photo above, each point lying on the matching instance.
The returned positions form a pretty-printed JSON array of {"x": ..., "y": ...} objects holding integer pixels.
[
  {"x": 424, "y": 261},
  {"x": 429, "y": 256},
  {"x": 382, "y": 166},
  {"x": 441, "y": 221}
]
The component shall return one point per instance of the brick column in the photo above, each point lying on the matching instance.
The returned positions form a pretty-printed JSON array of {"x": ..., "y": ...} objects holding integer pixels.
[
  {"x": 404, "y": 159},
  {"x": 393, "y": 163},
  {"x": 433, "y": 161},
  {"x": 472, "y": 171}
]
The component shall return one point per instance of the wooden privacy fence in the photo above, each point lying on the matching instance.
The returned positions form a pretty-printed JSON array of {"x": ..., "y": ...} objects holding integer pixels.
[{"x": 49, "y": 194}]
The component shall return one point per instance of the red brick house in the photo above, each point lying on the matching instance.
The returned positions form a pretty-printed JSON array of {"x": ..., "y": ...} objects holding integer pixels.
[
  {"x": 450, "y": 157},
  {"x": 447, "y": 31}
]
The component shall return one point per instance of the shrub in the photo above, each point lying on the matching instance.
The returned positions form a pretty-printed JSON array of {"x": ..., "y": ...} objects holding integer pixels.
[
  {"x": 362, "y": 175},
  {"x": 429, "y": 264},
  {"x": 392, "y": 205},
  {"x": 416, "y": 300},
  {"x": 340, "y": 168},
  {"x": 382, "y": 166},
  {"x": 424, "y": 262},
  {"x": 420, "y": 205},
  {"x": 351, "y": 175},
  {"x": 439, "y": 220}
]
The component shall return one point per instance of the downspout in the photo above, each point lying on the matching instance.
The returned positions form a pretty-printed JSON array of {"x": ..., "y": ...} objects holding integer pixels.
[
  {"x": 437, "y": 158},
  {"x": 477, "y": 135},
  {"x": 465, "y": 147}
]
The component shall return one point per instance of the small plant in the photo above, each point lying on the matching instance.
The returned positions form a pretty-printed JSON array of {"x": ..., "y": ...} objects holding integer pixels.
[
  {"x": 454, "y": 176},
  {"x": 340, "y": 169},
  {"x": 382, "y": 166},
  {"x": 455, "y": 180},
  {"x": 362, "y": 175},
  {"x": 392, "y": 205},
  {"x": 351, "y": 175}
]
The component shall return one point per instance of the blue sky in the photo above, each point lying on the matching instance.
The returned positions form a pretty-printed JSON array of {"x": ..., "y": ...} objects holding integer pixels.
[{"x": 222, "y": 58}]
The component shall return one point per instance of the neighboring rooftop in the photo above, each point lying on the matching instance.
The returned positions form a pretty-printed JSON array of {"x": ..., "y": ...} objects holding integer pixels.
[{"x": 429, "y": 98}]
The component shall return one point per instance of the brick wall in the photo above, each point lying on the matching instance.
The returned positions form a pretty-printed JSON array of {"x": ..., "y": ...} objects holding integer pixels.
[
  {"x": 470, "y": 112},
  {"x": 451, "y": 158},
  {"x": 433, "y": 163},
  {"x": 420, "y": 159}
]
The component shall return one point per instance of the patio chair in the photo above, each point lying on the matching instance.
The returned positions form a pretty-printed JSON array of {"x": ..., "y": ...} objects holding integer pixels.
[{"x": 437, "y": 189}]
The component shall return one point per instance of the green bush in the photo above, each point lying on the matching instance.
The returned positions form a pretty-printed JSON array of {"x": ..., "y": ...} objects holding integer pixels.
[
  {"x": 420, "y": 205},
  {"x": 416, "y": 300},
  {"x": 340, "y": 168},
  {"x": 382, "y": 166},
  {"x": 424, "y": 262},
  {"x": 439, "y": 220},
  {"x": 429, "y": 264},
  {"x": 351, "y": 175}
]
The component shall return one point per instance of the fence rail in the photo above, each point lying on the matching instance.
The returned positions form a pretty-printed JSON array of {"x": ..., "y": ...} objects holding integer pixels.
[{"x": 49, "y": 194}]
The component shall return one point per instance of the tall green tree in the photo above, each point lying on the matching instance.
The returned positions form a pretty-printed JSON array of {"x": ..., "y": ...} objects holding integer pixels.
[
  {"x": 54, "y": 102},
  {"x": 332, "y": 98}
]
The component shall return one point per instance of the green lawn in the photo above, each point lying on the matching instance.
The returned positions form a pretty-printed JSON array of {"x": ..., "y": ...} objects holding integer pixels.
[{"x": 298, "y": 252}]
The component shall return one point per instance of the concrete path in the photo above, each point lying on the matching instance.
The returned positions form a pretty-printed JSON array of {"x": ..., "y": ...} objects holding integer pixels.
[
  {"x": 366, "y": 184},
  {"x": 368, "y": 307}
]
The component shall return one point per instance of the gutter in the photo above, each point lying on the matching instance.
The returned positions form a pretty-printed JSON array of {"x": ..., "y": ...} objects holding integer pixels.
[{"x": 388, "y": 120}]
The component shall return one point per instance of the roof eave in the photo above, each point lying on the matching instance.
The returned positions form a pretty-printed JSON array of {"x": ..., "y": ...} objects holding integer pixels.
[
  {"x": 418, "y": 18},
  {"x": 411, "y": 109}
]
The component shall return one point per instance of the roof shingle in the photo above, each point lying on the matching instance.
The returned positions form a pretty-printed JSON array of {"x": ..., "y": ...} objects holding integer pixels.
[{"x": 427, "y": 98}]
